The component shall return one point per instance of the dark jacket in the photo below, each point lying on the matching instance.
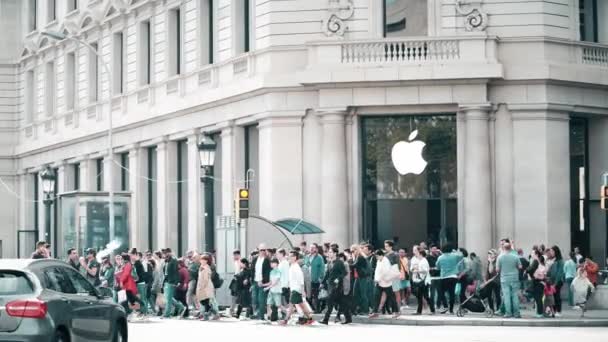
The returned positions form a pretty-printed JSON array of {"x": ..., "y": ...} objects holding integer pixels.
[
  {"x": 241, "y": 285},
  {"x": 433, "y": 272},
  {"x": 265, "y": 270},
  {"x": 362, "y": 267},
  {"x": 139, "y": 269},
  {"x": 334, "y": 277},
  {"x": 171, "y": 272}
]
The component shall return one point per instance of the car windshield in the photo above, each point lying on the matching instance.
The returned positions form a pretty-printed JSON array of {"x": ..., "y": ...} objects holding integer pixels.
[{"x": 14, "y": 283}]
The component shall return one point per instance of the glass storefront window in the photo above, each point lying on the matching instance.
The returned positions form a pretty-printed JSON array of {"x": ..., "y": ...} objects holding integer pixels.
[
  {"x": 85, "y": 222},
  {"x": 409, "y": 207}
]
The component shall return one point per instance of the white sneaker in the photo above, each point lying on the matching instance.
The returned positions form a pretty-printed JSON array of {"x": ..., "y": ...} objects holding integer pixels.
[{"x": 557, "y": 315}]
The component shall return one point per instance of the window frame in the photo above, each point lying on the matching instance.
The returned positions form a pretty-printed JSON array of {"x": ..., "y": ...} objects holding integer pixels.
[
  {"x": 144, "y": 52},
  {"x": 88, "y": 288},
  {"x": 49, "y": 281},
  {"x": 50, "y": 88},
  {"x": 93, "y": 73},
  {"x": 30, "y": 96},
  {"x": 175, "y": 50},
  {"x": 69, "y": 79},
  {"x": 51, "y": 11},
  {"x": 118, "y": 63}
]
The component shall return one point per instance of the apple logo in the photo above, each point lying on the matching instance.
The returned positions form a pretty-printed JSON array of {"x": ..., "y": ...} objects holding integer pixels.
[{"x": 407, "y": 156}]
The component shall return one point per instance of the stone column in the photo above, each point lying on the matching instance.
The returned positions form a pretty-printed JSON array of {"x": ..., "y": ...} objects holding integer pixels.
[
  {"x": 477, "y": 175},
  {"x": 26, "y": 204},
  {"x": 195, "y": 207},
  {"x": 311, "y": 155},
  {"x": 334, "y": 189},
  {"x": 166, "y": 194},
  {"x": 503, "y": 162},
  {"x": 227, "y": 171},
  {"x": 107, "y": 182},
  {"x": 87, "y": 174},
  {"x": 63, "y": 177},
  {"x": 138, "y": 220},
  {"x": 541, "y": 176},
  {"x": 280, "y": 169}
]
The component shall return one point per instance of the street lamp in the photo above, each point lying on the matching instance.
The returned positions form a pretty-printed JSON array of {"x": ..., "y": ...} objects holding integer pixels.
[
  {"x": 48, "y": 178},
  {"x": 106, "y": 67},
  {"x": 206, "y": 150}
]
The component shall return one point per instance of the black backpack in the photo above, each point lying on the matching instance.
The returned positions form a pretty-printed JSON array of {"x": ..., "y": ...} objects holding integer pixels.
[{"x": 216, "y": 279}]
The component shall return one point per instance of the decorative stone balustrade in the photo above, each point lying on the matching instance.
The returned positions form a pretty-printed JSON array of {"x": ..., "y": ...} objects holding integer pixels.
[
  {"x": 406, "y": 51},
  {"x": 595, "y": 55}
]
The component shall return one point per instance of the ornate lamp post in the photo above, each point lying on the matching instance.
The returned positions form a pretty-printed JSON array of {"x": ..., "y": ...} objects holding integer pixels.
[
  {"x": 206, "y": 150},
  {"x": 48, "y": 178}
]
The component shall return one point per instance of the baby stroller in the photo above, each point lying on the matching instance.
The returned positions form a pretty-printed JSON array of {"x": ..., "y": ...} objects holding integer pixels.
[{"x": 476, "y": 303}]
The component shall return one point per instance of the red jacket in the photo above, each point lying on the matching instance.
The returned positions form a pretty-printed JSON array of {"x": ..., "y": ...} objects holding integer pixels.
[
  {"x": 184, "y": 278},
  {"x": 126, "y": 280}
]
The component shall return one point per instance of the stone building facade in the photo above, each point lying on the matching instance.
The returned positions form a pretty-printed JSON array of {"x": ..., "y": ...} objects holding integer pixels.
[{"x": 510, "y": 98}]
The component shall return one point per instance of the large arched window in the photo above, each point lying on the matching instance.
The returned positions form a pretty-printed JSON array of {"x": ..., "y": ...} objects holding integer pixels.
[{"x": 405, "y": 18}]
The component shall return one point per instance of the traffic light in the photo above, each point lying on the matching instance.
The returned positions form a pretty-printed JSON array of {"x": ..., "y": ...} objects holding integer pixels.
[
  {"x": 243, "y": 204},
  {"x": 604, "y": 197}
]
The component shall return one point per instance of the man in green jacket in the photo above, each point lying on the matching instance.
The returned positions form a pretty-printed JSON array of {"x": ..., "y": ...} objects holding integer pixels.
[
  {"x": 171, "y": 281},
  {"x": 317, "y": 272}
]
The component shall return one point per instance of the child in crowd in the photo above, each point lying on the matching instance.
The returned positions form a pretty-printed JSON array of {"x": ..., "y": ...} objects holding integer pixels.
[
  {"x": 549, "y": 301},
  {"x": 582, "y": 288},
  {"x": 275, "y": 291}
]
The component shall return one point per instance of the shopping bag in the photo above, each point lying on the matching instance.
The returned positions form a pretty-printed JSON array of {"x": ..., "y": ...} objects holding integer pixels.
[{"x": 122, "y": 296}]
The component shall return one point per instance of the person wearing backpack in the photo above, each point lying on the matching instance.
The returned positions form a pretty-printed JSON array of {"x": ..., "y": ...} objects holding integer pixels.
[{"x": 537, "y": 271}]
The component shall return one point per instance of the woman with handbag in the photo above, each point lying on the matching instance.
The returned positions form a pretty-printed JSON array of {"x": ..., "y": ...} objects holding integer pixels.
[
  {"x": 404, "y": 277},
  {"x": 537, "y": 271},
  {"x": 419, "y": 269},
  {"x": 205, "y": 291}
]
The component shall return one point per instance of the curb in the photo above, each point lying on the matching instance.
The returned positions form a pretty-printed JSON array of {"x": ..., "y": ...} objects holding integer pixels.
[{"x": 482, "y": 322}]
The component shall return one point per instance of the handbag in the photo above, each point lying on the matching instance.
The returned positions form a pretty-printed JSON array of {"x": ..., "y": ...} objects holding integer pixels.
[
  {"x": 323, "y": 294},
  {"x": 121, "y": 296}
]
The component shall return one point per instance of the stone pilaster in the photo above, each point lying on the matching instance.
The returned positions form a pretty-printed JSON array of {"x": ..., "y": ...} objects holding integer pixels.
[
  {"x": 477, "y": 180},
  {"x": 541, "y": 175},
  {"x": 334, "y": 177}
]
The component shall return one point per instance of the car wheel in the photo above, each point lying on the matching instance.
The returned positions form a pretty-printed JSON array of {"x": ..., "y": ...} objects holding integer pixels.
[
  {"x": 120, "y": 334},
  {"x": 60, "y": 336}
]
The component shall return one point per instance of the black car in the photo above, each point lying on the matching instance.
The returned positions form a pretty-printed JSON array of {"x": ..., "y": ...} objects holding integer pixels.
[{"x": 47, "y": 300}]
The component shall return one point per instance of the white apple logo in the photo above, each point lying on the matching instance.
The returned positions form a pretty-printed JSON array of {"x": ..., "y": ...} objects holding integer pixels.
[{"x": 407, "y": 156}]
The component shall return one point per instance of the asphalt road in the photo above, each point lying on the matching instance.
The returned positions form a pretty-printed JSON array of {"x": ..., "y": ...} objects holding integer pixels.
[{"x": 229, "y": 330}]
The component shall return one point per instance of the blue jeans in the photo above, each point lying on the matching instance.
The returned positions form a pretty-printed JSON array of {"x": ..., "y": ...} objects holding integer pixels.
[
  {"x": 170, "y": 300},
  {"x": 570, "y": 294},
  {"x": 143, "y": 295},
  {"x": 259, "y": 297},
  {"x": 510, "y": 298}
]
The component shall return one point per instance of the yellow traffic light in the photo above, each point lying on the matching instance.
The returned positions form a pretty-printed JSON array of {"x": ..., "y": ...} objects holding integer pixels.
[{"x": 242, "y": 207}]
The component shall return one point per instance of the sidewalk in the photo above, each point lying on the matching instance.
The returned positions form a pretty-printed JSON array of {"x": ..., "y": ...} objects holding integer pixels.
[{"x": 569, "y": 318}]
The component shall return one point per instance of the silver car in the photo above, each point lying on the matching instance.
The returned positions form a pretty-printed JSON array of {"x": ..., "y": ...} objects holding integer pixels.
[{"x": 48, "y": 300}]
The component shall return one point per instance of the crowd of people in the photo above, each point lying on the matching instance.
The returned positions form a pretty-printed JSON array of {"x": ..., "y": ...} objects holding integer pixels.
[{"x": 276, "y": 284}]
